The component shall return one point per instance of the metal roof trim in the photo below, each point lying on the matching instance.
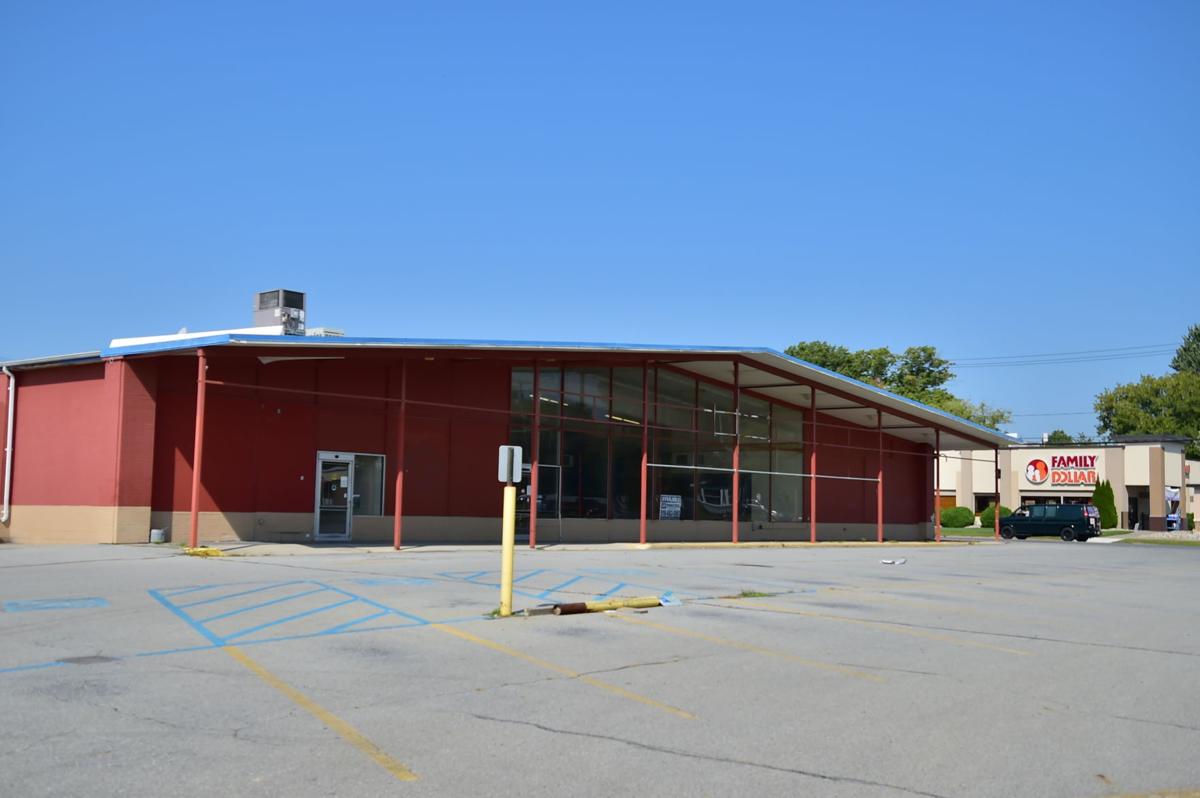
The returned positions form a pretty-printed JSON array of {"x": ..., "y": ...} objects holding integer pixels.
[
  {"x": 228, "y": 339},
  {"x": 54, "y": 360}
]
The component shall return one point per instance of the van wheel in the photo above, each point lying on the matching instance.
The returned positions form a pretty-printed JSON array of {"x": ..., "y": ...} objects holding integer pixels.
[
  {"x": 1067, "y": 533},
  {"x": 1006, "y": 532}
]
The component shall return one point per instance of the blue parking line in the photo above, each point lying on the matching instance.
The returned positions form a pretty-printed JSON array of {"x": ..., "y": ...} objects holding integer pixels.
[
  {"x": 609, "y": 592},
  {"x": 295, "y": 617},
  {"x": 530, "y": 575},
  {"x": 240, "y": 610},
  {"x": 178, "y": 592},
  {"x": 376, "y": 604},
  {"x": 212, "y": 638},
  {"x": 242, "y": 593},
  {"x": 556, "y": 588},
  {"x": 184, "y": 650},
  {"x": 36, "y": 605},
  {"x": 348, "y": 624},
  {"x": 35, "y": 667}
]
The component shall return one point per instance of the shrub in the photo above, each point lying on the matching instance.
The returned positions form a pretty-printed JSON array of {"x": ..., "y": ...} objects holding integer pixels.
[
  {"x": 1106, "y": 503},
  {"x": 958, "y": 517},
  {"x": 987, "y": 519},
  {"x": 1191, "y": 521}
]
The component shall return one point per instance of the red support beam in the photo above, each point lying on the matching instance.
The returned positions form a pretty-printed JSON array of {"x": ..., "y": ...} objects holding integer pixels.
[
  {"x": 812, "y": 469},
  {"x": 535, "y": 450},
  {"x": 398, "y": 510},
  {"x": 737, "y": 447},
  {"x": 879, "y": 481},
  {"x": 645, "y": 446},
  {"x": 937, "y": 481},
  {"x": 198, "y": 448},
  {"x": 996, "y": 512}
]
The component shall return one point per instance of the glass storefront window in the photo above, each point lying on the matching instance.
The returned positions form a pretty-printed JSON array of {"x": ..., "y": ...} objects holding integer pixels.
[
  {"x": 584, "y": 467},
  {"x": 585, "y": 393},
  {"x": 368, "y": 484},
  {"x": 756, "y": 419},
  {"x": 716, "y": 410},
  {"x": 627, "y": 395},
  {"x": 692, "y": 428},
  {"x": 675, "y": 399}
]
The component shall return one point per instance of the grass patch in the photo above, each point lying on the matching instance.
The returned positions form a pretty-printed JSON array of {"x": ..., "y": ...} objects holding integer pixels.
[
  {"x": 493, "y": 614},
  {"x": 971, "y": 532},
  {"x": 751, "y": 594},
  {"x": 1161, "y": 541}
]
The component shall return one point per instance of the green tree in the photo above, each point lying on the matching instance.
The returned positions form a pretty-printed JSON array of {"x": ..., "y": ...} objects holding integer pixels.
[
  {"x": 1187, "y": 356},
  {"x": 1106, "y": 503},
  {"x": 918, "y": 373},
  {"x": 866, "y": 365},
  {"x": 1059, "y": 436},
  {"x": 1167, "y": 405}
]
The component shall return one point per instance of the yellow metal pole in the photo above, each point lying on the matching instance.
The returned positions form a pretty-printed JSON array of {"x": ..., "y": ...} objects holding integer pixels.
[{"x": 508, "y": 544}]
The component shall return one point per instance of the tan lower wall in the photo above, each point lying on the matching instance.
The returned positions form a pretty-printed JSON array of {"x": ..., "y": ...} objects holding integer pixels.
[{"x": 32, "y": 523}]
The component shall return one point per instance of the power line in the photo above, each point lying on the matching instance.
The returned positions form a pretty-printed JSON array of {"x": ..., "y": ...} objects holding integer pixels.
[
  {"x": 1059, "y": 354},
  {"x": 1063, "y": 413},
  {"x": 1063, "y": 360}
]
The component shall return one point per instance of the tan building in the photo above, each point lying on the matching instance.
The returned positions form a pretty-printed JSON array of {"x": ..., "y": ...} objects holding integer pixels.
[{"x": 1153, "y": 482}]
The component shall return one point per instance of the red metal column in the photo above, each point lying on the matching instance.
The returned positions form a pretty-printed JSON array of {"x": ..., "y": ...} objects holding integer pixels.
[
  {"x": 937, "y": 481},
  {"x": 812, "y": 469},
  {"x": 996, "y": 512},
  {"x": 879, "y": 482},
  {"x": 398, "y": 517},
  {"x": 737, "y": 446},
  {"x": 197, "y": 449},
  {"x": 645, "y": 445},
  {"x": 535, "y": 450}
]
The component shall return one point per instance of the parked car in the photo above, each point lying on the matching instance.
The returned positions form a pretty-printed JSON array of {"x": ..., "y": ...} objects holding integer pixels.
[{"x": 1068, "y": 521}]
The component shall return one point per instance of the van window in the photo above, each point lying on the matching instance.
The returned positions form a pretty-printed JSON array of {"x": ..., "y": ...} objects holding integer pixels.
[{"x": 1037, "y": 511}]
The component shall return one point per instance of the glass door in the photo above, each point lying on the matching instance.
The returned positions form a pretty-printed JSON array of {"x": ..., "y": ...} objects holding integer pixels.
[{"x": 335, "y": 487}]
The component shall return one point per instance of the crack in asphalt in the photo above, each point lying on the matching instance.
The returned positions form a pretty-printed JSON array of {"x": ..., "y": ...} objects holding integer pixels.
[
  {"x": 1012, "y": 635},
  {"x": 712, "y": 758},
  {"x": 1183, "y": 726}
]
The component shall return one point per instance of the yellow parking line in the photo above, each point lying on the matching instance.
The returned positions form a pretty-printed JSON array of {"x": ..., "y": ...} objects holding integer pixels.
[
  {"x": 344, "y": 729},
  {"x": 885, "y": 627},
  {"x": 550, "y": 666},
  {"x": 721, "y": 641}
]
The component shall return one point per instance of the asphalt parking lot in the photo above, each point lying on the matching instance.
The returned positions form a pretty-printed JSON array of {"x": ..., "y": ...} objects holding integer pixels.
[{"x": 1021, "y": 669}]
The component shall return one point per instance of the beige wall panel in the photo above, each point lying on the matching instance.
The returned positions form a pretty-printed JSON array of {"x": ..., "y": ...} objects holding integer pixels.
[
  {"x": 1137, "y": 465},
  {"x": 31, "y": 523}
]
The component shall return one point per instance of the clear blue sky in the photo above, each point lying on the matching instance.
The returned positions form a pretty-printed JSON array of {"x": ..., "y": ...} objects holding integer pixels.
[{"x": 993, "y": 179}]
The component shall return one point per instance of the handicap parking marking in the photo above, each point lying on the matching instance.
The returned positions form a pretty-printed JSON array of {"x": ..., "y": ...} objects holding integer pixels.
[
  {"x": 36, "y": 605},
  {"x": 393, "y": 580},
  {"x": 271, "y": 611},
  {"x": 571, "y": 584}
]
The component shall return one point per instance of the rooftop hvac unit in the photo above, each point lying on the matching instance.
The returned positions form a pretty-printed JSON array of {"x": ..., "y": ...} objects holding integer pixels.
[{"x": 280, "y": 307}]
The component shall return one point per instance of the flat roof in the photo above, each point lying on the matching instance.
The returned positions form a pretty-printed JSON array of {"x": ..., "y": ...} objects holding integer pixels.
[{"x": 767, "y": 372}]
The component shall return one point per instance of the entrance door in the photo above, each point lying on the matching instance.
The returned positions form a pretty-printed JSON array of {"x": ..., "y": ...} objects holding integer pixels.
[{"x": 335, "y": 487}]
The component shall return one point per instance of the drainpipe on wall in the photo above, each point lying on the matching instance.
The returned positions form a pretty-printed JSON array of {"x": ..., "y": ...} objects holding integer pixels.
[{"x": 8, "y": 442}]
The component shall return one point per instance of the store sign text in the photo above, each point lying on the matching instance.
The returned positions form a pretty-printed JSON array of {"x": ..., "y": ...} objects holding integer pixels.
[{"x": 1075, "y": 469}]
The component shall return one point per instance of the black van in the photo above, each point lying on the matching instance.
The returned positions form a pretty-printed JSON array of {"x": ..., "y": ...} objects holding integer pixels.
[{"x": 1068, "y": 521}]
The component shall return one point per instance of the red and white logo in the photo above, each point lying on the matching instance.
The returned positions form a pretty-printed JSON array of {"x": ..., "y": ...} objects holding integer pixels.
[{"x": 1037, "y": 471}]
